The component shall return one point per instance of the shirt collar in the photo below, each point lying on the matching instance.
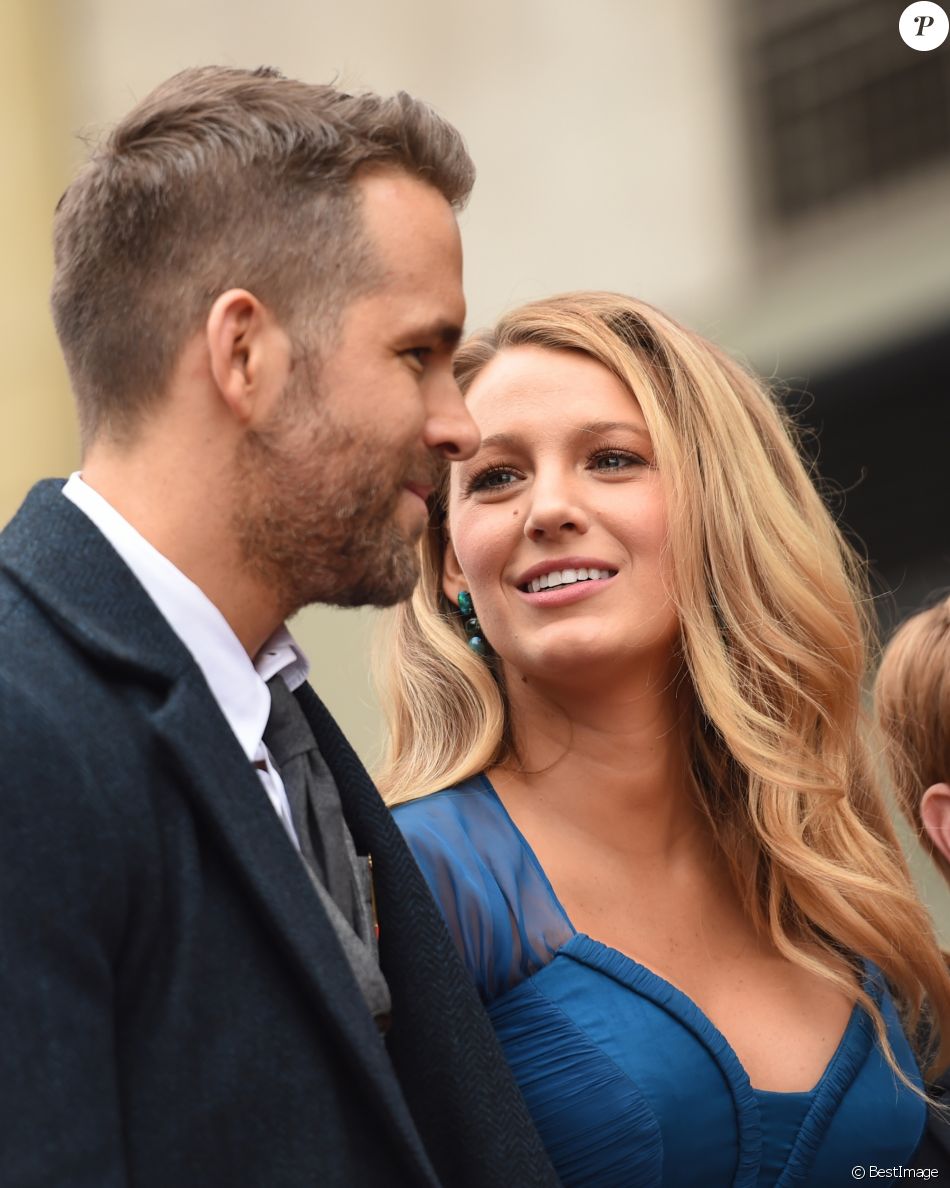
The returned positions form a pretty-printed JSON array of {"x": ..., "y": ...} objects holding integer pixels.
[{"x": 236, "y": 683}]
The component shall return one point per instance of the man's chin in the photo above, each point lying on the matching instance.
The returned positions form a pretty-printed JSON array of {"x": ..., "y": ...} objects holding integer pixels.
[{"x": 377, "y": 589}]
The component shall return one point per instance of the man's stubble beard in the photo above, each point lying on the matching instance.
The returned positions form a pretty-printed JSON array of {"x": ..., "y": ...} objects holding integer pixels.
[{"x": 315, "y": 511}]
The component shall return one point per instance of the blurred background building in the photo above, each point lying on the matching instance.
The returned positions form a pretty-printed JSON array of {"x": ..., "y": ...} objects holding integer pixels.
[{"x": 776, "y": 174}]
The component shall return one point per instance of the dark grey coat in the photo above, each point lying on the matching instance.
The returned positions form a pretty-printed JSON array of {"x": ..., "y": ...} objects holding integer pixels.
[{"x": 175, "y": 1011}]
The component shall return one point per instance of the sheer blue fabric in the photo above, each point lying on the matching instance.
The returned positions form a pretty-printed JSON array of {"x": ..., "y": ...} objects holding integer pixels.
[{"x": 629, "y": 1083}]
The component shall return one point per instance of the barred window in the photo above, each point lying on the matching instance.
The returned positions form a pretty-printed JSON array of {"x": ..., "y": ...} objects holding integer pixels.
[{"x": 840, "y": 104}]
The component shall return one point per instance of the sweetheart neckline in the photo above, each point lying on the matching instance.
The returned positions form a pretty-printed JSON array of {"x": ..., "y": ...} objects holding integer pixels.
[{"x": 670, "y": 988}]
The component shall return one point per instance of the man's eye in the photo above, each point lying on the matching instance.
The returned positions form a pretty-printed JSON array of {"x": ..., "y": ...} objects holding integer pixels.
[{"x": 419, "y": 355}]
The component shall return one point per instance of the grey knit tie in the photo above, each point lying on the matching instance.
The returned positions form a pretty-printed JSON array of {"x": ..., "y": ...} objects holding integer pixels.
[
  {"x": 313, "y": 797},
  {"x": 339, "y": 875}
]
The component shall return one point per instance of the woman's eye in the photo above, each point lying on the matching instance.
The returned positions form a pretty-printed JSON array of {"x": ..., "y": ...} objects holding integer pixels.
[
  {"x": 614, "y": 460},
  {"x": 493, "y": 479}
]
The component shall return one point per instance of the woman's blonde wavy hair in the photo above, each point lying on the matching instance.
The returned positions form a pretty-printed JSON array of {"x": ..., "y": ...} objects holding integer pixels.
[
  {"x": 773, "y": 611},
  {"x": 912, "y": 703}
]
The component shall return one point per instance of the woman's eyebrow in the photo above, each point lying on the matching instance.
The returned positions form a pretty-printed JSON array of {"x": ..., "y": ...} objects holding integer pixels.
[
  {"x": 511, "y": 441},
  {"x": 507, "y": 441},
  {"x": 603, "y": 428}
]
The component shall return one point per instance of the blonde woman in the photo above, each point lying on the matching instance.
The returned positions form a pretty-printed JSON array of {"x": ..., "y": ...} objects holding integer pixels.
[
  {"x": 624, "y": 708},
  {"x": 912, "y": 703}
]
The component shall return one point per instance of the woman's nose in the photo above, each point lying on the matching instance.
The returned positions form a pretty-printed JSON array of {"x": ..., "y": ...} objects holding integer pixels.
[{"x": 556, "y": 508}]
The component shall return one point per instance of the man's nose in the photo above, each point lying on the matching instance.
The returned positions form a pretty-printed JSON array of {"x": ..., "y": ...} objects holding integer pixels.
[{"x": 449, "y": 427}]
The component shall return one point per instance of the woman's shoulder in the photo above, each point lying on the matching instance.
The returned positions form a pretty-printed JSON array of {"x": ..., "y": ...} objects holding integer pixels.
[
  {"x": 459, "y": 814},
  {"x": 476, "y": 866},
  {"x": 454, "y": 832},
  {"x": 454, "y": 798}
]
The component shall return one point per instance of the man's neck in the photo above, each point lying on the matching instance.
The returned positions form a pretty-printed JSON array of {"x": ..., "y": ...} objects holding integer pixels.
[{"x": 190, "y": 526}]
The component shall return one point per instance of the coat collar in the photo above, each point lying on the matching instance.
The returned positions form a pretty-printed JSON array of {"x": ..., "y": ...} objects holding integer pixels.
[
  {"x": 62, "y": 561},
  {"x": 56, "y": 554}
]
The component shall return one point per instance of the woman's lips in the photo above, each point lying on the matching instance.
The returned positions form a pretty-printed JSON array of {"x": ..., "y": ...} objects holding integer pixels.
[{"x": 565, "y": 594}]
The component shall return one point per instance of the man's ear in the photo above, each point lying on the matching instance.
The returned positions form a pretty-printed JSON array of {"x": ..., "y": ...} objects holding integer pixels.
[
  {"x": 249, "y": 354},
  {"x": 453, "y": 579},
  {"x": 935, "y": 814}
]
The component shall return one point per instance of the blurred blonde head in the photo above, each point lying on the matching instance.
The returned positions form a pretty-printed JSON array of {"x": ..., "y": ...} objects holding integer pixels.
[
  {"x": 772, "y": 605},
  {"x": 912, "y": 703}
]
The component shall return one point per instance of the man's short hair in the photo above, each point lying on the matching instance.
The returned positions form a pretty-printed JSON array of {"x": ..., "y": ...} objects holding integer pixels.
[{"x": 220, "y": 179}]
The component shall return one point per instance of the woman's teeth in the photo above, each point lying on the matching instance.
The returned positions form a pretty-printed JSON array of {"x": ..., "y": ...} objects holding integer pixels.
[{"x": 566, "y": 577}]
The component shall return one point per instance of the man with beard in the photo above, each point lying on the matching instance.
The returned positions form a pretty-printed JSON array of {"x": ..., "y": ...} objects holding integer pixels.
[{"x": 258, "y": 293}]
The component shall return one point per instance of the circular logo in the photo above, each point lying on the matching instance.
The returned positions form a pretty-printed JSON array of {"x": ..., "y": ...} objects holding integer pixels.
[
  {"x": 857, "y": 1173},
  {"x": 924, "y": 26}
]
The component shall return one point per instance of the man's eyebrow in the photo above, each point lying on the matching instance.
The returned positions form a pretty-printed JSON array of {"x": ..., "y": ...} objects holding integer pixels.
[{"x": 449, "y": 334}]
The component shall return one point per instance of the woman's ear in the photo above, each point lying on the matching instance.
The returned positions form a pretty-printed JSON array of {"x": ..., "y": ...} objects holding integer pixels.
[
  {"x": 453, "y": 579},
  {"x": 935, "y": 814},
  {"x": 249, "y": 355}
]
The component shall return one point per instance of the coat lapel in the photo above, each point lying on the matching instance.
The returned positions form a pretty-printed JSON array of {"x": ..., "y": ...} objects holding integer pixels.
[
  {"x": 227, "y": 794},
  {"x": 55, "y": 553}
]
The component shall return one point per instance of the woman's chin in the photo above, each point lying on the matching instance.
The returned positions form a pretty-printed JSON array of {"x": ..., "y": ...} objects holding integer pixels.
[
  {"x": 595, "y": 661},
  {"x": 580, "y": 663}
]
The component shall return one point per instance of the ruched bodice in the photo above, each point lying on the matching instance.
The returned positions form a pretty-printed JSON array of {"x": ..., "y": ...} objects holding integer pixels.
[{"x": 629, "y": 1083}]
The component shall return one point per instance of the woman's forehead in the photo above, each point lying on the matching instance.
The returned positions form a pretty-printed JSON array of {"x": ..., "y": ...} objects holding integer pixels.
[{"x": 524, "y": 385}]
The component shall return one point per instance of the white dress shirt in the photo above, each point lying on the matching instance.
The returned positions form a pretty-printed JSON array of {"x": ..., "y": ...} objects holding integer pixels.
[{"x": 236, "y": 682}]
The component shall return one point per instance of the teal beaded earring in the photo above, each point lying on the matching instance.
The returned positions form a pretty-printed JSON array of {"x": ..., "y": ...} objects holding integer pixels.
[{"x": 473, "y": 629}]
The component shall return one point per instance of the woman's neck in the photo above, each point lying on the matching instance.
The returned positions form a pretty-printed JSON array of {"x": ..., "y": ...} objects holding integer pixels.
[{"x": 609, "y": 762}]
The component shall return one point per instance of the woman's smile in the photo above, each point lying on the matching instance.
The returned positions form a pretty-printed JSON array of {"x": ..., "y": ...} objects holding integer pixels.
[{"x": 562, "y": 581}]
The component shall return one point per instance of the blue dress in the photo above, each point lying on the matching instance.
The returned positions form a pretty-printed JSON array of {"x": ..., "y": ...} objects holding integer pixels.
[{"x": 629, "y": 1083}]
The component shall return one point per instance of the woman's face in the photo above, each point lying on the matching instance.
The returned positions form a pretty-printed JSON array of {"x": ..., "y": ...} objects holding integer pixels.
[{"x": 558, "y": 523}]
